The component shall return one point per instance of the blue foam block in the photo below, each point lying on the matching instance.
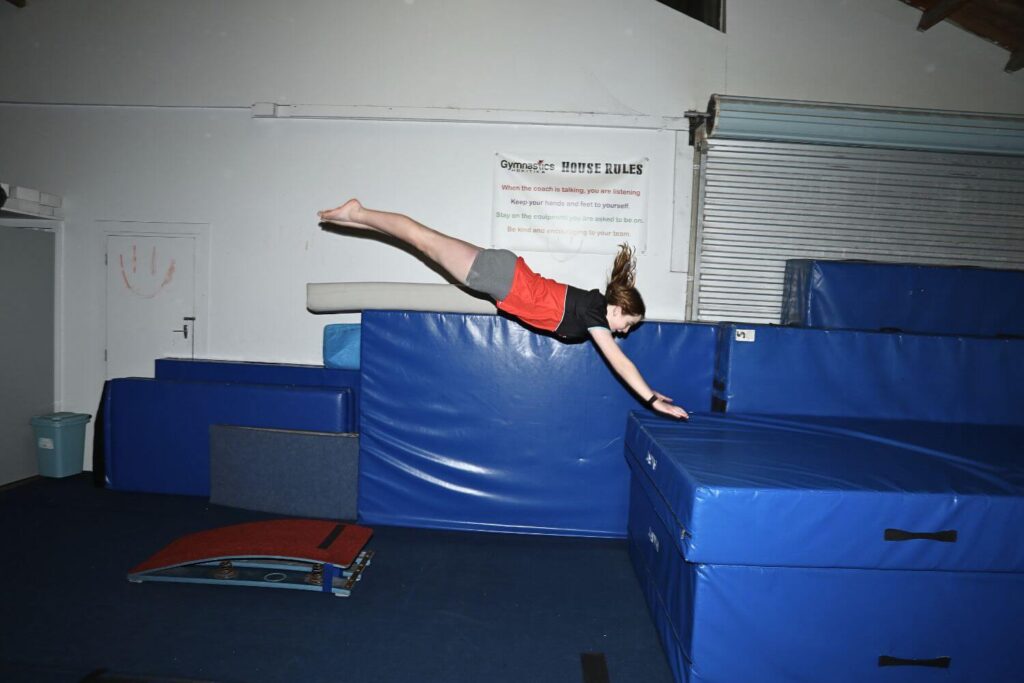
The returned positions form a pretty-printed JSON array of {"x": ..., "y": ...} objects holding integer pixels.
[
  {"x": 341, "y": 346},
  {"x": 843, "y": 373},
  {"x": 908, "y": 297},
  {"x": 756, "y": 490},
  {"x": 157, "y": 432},
  {"x": 474, "y": 422}
]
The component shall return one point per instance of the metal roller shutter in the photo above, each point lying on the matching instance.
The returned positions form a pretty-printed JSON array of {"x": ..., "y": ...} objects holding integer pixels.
[{"x": 761, "y": 202}]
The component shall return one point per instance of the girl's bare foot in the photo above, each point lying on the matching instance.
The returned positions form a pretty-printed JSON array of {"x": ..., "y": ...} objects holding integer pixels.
[{"x": 347, "y": 215}]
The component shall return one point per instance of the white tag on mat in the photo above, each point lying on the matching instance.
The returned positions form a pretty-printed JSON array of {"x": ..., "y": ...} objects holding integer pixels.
[
  {"x": 746, "y": 335},
  {"x": 652, "y": 461}
]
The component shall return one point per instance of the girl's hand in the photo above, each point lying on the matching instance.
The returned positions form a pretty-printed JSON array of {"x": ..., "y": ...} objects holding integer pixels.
[{"x": 664, "y": 406}]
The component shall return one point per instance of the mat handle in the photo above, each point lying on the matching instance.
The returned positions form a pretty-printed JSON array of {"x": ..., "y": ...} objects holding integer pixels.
[
  {"x": 948, "y": 536},
  {"x": 935, "y": 663}
]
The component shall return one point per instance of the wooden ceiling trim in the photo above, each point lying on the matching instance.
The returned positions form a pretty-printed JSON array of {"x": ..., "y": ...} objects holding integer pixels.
[
  {"x": 1016, "y": 61},
  {"x": 938, "y": 13},
  {"x": 998, "y": 21}
]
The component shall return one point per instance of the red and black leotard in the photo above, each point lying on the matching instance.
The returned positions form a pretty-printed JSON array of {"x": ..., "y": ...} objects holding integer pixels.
[{"x": 543, "y": 303}]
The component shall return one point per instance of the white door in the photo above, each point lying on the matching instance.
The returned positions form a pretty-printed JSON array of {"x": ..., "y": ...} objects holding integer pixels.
[{"x": 150, "y": 301}]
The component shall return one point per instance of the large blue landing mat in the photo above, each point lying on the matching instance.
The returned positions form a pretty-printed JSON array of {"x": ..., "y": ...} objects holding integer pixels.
[
  {"x": 157, "y": 432},
  {"x": 836, "y": 493},
  {"x": 911, "y": 298},
  {"x": 474, "y": 422},
  {"x": 845, "y": 373},
  {"x": 725, "y": 623}
]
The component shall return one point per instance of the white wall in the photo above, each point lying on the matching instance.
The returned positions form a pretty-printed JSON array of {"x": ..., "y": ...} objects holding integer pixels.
[
  {"x": 575, "y": 55},
  {"x": 167, "y": 135},
  {"x": 619, "y": 56}
]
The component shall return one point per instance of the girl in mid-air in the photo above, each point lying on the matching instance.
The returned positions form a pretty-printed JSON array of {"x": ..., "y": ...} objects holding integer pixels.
[{"x": 540, "y": 302}]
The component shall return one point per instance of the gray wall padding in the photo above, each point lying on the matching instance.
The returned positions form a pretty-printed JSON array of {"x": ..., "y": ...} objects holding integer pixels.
[{"x": 297, "y": 473}]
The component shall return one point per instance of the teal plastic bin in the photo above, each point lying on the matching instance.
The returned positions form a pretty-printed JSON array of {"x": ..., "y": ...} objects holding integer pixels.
[{"x": 60, "y": 443}]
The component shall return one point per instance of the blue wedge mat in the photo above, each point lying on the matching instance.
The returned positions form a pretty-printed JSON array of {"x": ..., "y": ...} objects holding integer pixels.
[
  {"x": 908, "y": 297},
  {"x": 474, "y": 422},
  {"x": 157, "y": 432},
  {"x": 756, "y": 490},
  {"x": 815, "y": 624},
  {"x": 844, "y": 373}
]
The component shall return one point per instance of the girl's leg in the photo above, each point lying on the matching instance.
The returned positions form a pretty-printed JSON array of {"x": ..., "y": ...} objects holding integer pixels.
[{"x": 454, "y": 255}]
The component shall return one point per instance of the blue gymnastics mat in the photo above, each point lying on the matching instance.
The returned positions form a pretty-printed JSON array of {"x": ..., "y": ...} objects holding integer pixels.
[
  {"x": 474, "y": 422},
  {"x": 251, "y": 372},
  {"x": 829, "y": 549},
  {"x": 846, "y": 373},
  {"x": 729, "y": 480},
  {"x": 254, "y": 372},
  {"x": 913, "y": 298},
  {"x": 157, "y": 432},
  {"x": 723, "y": 623}
]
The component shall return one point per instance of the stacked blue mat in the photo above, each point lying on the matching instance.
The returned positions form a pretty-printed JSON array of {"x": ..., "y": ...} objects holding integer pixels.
[
  {"x": 274, "y": 374},
  {"x": 906, "y": 297},
  {"x": 848, "y": 515},
  {"x": 157, "y": 431},
  {"x": 830, "y": 549},
  {"x": 796, "y": 371}
]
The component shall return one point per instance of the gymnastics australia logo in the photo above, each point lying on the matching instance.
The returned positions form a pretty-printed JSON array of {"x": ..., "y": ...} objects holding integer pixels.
[{"x": 539, "y": 166}]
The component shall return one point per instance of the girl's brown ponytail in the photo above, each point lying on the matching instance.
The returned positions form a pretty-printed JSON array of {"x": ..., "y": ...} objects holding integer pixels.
[{"x": 621, "y": 290}]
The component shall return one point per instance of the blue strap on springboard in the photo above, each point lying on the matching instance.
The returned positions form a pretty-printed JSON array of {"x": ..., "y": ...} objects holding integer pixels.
[{"x": 331, "y": 572}]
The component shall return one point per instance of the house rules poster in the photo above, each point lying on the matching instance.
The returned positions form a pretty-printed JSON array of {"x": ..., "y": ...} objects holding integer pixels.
[{"x": 569, "y": 205}]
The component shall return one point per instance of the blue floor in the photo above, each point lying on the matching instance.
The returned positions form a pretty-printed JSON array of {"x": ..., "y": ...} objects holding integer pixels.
[{"x": 433, "y": 607}]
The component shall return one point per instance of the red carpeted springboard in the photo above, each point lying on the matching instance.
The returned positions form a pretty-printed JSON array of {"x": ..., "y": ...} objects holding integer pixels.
[{"x": 322, "y": 547}]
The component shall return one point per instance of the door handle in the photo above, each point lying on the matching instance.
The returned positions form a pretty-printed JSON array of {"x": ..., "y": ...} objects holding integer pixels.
[{"x": 184, "y": 328}]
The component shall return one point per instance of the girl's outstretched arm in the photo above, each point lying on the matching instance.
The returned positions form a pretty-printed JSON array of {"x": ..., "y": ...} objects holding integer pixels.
[{"x": 625, "y": 369}]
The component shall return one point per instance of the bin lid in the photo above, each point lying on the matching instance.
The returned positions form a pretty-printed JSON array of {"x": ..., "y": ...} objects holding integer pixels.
[{"x": 60, "y": 419}]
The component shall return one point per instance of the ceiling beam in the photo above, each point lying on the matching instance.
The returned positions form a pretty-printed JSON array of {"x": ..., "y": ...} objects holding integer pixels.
[
  {"x": 938, "y": 12},
  {"x": 1016, "y": 61}
]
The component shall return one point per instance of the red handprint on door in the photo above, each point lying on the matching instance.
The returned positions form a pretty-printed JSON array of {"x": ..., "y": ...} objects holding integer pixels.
[{"x": 149, "y": 281}]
